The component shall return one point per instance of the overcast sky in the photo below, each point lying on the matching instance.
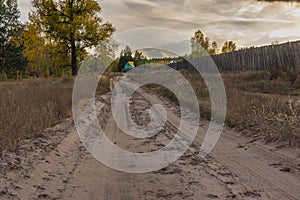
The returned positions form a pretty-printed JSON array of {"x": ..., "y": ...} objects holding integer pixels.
[{"x": 247, "y": 22}]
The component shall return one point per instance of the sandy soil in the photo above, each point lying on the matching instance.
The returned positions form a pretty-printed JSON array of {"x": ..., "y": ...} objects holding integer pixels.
[{"x": 57, "y": 166}]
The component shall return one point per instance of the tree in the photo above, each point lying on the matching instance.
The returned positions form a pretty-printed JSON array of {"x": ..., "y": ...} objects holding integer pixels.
[
  {"x": 45, "y": 57},
  {"x": 125, "y": 56},
  {"x": 229, "y": 46},
  {"x": 12, "y": 61},
  {"x": 200, "y": 44},
  {"x": 214, "y": 48},
  {"x": 35, "y": 50},
  {"x": 74, "y": 24},
  {"x": 139, "y": 58}
]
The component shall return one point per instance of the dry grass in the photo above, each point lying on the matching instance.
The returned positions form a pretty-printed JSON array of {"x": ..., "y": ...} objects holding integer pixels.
[
  {"x": 29, "y": 106},
  {"x": 263, "y": 107},
  {"x": 258, "y": 104}
]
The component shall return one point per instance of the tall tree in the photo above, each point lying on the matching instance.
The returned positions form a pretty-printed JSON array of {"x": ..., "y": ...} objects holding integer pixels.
[
  {"x": 229, "y": 46},
  {"x": 139, "y": 58},
  {"x": 45, "y": 56},
  {"x": 35, "y": 51},
  {"x": 200, "y": 44},
  {"x": 125, "y": 56},
  {"x": 214, "y": 48},
  {"x": 73, "y": 23},
  {"x": 12, "y": 61}
]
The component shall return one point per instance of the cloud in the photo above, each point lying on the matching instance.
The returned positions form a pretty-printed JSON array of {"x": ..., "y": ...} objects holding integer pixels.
[
  {"x": 248, "y": 22},
  {"x": 25, "y": 7}
]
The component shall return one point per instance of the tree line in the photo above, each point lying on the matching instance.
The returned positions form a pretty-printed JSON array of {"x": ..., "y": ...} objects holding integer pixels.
[
  {"x": 200, "y": 46},
  {"x": 59, "y": 34}
]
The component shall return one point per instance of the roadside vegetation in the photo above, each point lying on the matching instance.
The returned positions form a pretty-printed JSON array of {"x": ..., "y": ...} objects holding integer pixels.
[
  {"x": 38, "y": 59},
  {"x": 258, "y": 104},
  {"x": 28, "y": 107}
]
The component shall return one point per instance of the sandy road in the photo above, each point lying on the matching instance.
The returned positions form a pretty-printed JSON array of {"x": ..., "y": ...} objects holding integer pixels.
[{"x": 57, "y": 166}]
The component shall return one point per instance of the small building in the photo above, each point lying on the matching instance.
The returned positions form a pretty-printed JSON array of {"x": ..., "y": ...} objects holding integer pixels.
[{"x": 129, "y": 65}]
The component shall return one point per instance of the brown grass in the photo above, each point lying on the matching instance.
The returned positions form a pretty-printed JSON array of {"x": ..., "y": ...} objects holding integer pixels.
[
  {"x": 258, "y": 104},
  {"x": 263, "y": 107},
  {"x": 29, "y": 106}
]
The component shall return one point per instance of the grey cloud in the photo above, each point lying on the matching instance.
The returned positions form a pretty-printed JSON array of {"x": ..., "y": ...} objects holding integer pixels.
[
  {"x": 247, "y": 22},
  {"x": 25, "y": 7},
  {"x": 138, "y": 6}
]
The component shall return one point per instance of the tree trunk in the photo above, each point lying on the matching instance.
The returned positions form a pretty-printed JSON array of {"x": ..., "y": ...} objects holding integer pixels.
[
  {"x": 73, "y": 44},
  {"x": 73, "y": 56}
]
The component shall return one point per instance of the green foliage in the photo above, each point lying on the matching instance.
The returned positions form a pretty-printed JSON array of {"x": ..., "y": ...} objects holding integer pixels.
[
  {"x": 229, "y": 46},
  {"x": 139, "y": 58},
  {"x": 35, "y": 51},
  {"x": 12, "y": 61},
  {"x": 214, "y": 48},
  {"x": 125, "y": 56},
  {"x": 45, "y": 57},
  {"x": 201, "y": 46},
  {"x": 74, "y": 25}
]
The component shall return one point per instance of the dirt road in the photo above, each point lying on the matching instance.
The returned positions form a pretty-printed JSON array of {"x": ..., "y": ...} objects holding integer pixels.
[{"x": 57, "y": 166}]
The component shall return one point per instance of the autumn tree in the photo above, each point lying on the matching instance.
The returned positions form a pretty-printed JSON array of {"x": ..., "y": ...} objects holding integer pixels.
[
  {"x": 35, "y": 51},
  {"x": 12, "y": 61},
  {"x": 214, "y": 48},
  {"x": 201, "y": 45},
  {"x": 46, "y": 57},
  {"x": 229, "y": 46},
  {"x": 74, "y": 24}
]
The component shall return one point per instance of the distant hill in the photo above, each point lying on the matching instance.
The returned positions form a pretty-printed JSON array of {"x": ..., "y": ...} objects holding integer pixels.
[{"x": 157, "y": 53}]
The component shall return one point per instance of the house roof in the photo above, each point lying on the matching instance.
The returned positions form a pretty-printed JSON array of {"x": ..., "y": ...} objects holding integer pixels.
[{"x": 129, "y": 65}]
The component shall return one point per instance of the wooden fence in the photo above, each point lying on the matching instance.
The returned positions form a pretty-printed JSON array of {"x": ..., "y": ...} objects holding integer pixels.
[{"x": 271, "y": 57}]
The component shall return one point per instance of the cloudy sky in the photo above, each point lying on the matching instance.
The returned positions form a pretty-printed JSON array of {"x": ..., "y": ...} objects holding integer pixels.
[{"x": 248, "y": 22}]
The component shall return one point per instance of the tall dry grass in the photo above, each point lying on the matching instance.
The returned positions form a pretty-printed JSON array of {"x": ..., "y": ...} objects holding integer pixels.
[
  {"x": 29, "y": 106},
  {"x": 259, "y": 104},
  {"x": 264, "y": 107}
]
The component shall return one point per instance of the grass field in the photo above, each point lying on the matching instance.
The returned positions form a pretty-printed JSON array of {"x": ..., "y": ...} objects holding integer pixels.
[
  {"x": 263, "y": 105},
  {"x": 258, "y": 105},
  {"x": 29, "y": 106}
]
